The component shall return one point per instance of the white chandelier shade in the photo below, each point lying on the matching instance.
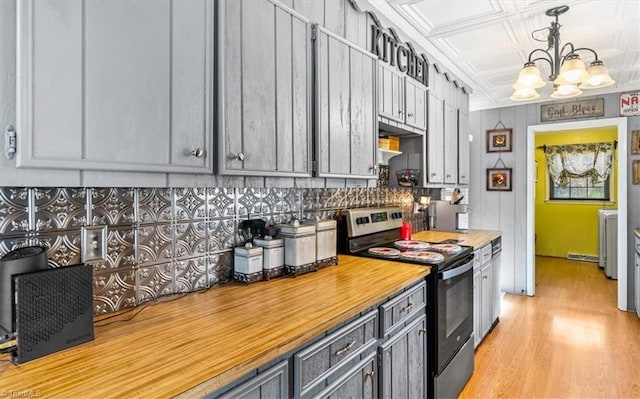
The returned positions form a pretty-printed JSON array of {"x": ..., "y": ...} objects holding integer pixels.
[{"x": 568, "y": 72}]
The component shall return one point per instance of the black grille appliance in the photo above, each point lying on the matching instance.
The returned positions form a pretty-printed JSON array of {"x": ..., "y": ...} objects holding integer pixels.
[{"x": 375, "y": 233}]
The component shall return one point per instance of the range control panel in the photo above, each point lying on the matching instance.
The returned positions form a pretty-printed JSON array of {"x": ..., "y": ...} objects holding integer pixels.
[{"x": 361, "y": 221}]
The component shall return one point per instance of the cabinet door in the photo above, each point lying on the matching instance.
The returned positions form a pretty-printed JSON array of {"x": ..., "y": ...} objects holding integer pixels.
[
  {"x": 264, "y": 80},
  {"x": 358, "y": 382},
  {"x": 115, "y": 85},
  {"x": 435, "y": 141},
  {"x": 346, "y": 109},
  {"x": 495, "y": 288},
  {"x": 403, "y": 362},
  {"x": 391, "y": 93},
  {"x": 486, "y": 301},
  {"x": 477, "y": 304},
  {"x": 416, "y": 104},
  {"x": 450, "y": 144},
  {"x": 270, "y": 384},
  {"x": 463, "y": 148}
]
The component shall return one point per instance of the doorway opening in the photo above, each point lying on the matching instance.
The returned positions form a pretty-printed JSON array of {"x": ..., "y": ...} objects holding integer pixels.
[{"x": 620, "y": 126}]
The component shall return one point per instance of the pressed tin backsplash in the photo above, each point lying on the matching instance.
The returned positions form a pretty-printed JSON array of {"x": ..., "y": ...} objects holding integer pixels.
[{"x": 162, "y": 241}]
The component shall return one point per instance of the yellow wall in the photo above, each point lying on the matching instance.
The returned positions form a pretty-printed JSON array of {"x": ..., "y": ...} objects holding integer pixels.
[{"x": 562, "y": 228}]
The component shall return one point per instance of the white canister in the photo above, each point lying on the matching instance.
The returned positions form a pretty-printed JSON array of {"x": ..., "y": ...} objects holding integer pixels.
[
  {"x": 326, "y": 242},
  {"x": 247, "y": 263},
  {"x": 299, "y": 248},
  {"x": 272, "y": 256}
]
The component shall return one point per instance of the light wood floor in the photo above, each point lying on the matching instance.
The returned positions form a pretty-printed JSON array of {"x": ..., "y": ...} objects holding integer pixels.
[{"x": 569, "y": 341}]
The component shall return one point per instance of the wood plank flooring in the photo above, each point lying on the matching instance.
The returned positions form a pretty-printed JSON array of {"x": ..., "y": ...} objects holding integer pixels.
[{"x": 568, "y": 341}]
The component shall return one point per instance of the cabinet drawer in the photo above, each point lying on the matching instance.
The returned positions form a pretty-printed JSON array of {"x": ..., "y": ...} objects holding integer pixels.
[
  {"x": 477, "y": 259},
  {"x": 320, "y": 361},
  {"x": 486, "y": 254},
  {"x": 395, "y": 312}
]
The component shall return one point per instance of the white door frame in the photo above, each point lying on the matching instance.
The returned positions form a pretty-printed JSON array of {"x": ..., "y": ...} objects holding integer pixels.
[{"x": 621, "y": 124}]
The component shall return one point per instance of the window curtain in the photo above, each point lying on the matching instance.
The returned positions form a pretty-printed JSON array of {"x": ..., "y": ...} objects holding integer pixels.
[{"x": 579, "y": 160}]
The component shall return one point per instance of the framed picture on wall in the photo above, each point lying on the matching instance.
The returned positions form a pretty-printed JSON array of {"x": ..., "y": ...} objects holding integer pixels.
[
  {"x": 499, "y": 179},
  {"x": 635, "y": 142},
  {"x": 635, "y": 169},
  {"x": 499, "y": 140}
]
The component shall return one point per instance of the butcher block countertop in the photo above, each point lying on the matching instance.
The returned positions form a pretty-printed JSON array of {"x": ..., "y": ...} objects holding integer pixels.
[
  {"x": 637, "y": 231},
  {"x": 191, "y": 345},
  {"x": 474, "y": 238},
  {"x": 203, "y": 341}
]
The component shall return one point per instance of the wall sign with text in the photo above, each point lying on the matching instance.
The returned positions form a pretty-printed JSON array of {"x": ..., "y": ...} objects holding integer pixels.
[
  {"x": 388, "y": 48},
  {"x": 630, "y": 103},
  {"x": 572, "y": 110}
]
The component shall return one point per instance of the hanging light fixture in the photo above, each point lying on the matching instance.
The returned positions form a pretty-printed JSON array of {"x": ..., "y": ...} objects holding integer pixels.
[{"x": 568, "y": 72}]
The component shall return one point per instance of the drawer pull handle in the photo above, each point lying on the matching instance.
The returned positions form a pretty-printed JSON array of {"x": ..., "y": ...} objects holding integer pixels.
[
  {"x": 422, "y": 332},
  {"x": 345, "y": 348},
  {"x": 370, "y": 374},
  {"x": 407, "y": 308}
]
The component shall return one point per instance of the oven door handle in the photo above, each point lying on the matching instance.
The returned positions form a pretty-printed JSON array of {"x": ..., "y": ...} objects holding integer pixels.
[{"x": 449, "y": 274}]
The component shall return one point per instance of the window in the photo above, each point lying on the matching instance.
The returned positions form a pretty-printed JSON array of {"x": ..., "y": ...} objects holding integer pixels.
[{"x": 580, "y": 188}]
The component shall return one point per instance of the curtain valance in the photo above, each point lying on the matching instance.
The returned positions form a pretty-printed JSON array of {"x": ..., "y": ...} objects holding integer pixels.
[{"x": 579, "y": 160}]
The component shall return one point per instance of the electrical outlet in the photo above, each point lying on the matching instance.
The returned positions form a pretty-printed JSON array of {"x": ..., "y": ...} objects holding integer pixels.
[{"x": 94, "y": 243}]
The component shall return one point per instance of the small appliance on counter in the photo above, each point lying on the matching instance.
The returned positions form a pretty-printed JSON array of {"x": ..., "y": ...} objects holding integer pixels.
[
  {"x": 450, "y": 217},
  {"x": 326, "y": 242},
  {"x": 247, "y": 263},
  {"x": 272, "y": 256},
  {"x": 299, "y": 247}
]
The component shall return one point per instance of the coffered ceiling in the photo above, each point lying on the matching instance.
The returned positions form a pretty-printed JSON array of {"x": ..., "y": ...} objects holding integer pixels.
[{"x": 484, "y": 43}]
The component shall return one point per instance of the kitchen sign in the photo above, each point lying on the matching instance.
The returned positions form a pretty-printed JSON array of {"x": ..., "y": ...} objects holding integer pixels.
[
  {"x": 630, "y": 103},
  {"x": 572, "y": 110},
  {"x": 387, "y": 47}
]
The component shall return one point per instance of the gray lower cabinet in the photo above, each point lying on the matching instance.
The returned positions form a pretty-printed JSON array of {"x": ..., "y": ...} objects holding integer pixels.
[
  {"x": 358, "y": 382},
  {"x": 486, "y": 292},
  {"x": 319, "y": 365},
  {"x": 346, "y": 108},
  {"x": 270, "y": 384},
  {"x": 115, "y": 85},
  {"x": 403, "y": 362},
  {"x": 382, "y": 353},
  {"x": 265, "y": 88}
]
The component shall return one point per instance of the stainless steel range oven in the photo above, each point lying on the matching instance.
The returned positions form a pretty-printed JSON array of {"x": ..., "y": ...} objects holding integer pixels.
[{"x": 375, "y": 233}]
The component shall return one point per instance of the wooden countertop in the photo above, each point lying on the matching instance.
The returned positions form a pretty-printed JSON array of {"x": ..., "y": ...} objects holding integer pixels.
[
  {"x": 474, "y": 238},
  {"x": 203, "y": 341}
]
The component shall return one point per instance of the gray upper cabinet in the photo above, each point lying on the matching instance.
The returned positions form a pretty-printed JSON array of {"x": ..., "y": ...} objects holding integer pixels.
[
  {"x": 346, "y": 108},
  {"x": 265, "y": 86},
  {"x": 463, "y": 147},
  {"x": 450, "y": 144},
  {"x": 416, "y": 104},
  {"x": 115, "y": 85},
  {"x": 435, "y": 141},
  {"x": 391, "y": 94},
  {"x": 402, "y": 101}
]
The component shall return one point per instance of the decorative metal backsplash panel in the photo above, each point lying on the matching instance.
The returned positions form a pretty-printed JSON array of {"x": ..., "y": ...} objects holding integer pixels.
[{"x": 163, "y": 241}]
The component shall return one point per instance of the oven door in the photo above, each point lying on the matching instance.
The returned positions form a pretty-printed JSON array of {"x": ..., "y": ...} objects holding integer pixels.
[{"x": 454, "y": 310}]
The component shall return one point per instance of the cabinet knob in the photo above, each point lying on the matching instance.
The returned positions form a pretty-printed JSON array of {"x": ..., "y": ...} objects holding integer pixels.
[
  {"x": 238, "y": 157},
  {"x": 197, "y": 152},
  {"x": 433, "y": 175},
  {"x": 400, "y": 112},
  {"x": 463, "y": 177},
  {"x": 374, "y": 168},
  {"x": 448, "y": 176},
  {"x": 410, "y": 115}
]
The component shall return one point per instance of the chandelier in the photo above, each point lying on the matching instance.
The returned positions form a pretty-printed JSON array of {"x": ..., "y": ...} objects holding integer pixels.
[{"x": 568, "y": 72}]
